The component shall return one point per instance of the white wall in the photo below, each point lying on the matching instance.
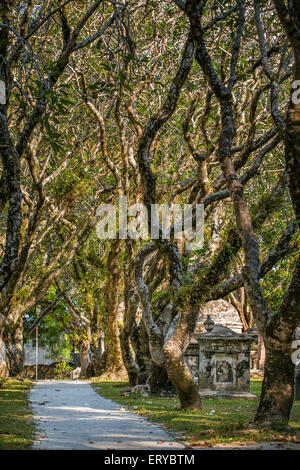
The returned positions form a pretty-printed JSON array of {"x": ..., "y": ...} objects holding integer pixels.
[{"x": 30, "y": 355}]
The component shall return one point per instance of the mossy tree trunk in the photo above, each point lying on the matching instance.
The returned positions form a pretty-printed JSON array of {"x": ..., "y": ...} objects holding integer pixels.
[
  {"x": 15, "y": 346},
  {"x": 131, "y": 302},
  {"x": 114, "y": 361},
  {"x": 277, "y": 393},
  {"x": 140, "y": 343},
  {"x": 158, "y": 379}
]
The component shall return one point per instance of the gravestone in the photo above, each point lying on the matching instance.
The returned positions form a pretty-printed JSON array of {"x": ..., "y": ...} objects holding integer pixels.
[
  {"x": 224, "y": 363},
  {"x": 221, "y": 312}
]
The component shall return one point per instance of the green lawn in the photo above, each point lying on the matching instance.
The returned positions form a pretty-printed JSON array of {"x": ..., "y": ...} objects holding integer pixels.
[
  {"x": 16, "y": 426},
  {"x": 220, "y": 421}
]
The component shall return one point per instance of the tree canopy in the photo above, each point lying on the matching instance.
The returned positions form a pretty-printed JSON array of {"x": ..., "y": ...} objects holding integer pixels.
[{"x": 162, "y": 102}]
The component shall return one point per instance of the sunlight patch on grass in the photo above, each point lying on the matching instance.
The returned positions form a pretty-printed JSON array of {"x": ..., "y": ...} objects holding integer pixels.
[
  {"x": 220, "y": 421},
  {"x": 16, "y": 425}
]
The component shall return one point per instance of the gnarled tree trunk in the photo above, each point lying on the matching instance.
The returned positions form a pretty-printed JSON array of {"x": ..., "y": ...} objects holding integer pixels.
[
  {"x": 158, "y": 379},
  {"x": 140, "y": 344},
  {"x": 278, "y": 385},
  {"x": 85, "y": 358},
  {"x": 97, "y": 358},
  {"x": 131, "y": 302},
  {"x": 167, "y": 347},
  {"x": 177, "y": 368},
  {"x": 114, "y": 362},
  {"x": 15, "y": 346}
]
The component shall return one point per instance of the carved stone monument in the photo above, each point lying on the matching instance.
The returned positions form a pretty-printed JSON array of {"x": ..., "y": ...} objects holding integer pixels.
[
  {"x": 221, "y": 312},
  {"x": 224, "y": 363},
  {"x": 225, "y": 314}
]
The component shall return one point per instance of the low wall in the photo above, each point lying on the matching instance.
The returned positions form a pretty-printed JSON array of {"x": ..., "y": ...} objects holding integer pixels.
[{"x": 43, "y": 355}]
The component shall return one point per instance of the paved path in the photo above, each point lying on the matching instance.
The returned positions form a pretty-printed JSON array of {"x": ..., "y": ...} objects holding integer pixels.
[{"x": 71, "y": 415}]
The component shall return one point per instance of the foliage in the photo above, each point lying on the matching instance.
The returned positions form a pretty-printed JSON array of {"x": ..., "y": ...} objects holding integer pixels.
[
  {"x": 99, "y": 116},
  {"x": 62, "y": 370}
]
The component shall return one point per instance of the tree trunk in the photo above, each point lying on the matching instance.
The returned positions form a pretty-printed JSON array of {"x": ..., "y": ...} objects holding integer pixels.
[
  {"x": 169, "y": 353},
  {"x": 114, "y": 362},
  {"x": 158, "y": 379},
  {"x": 130, "y": 364},
  {"x": 15, "y": 346},
  {"x": 131, "y": 302},
  {"x": 129, "y": 320},
  {"x": 84, "y": 359},
  {"x": 181, "y": 377},
  {"x": 140, "y": 343},
  {"x": 19, "y": 349},
  {"x": 261, "y": 352},
  {"x": 97, "y": 359},
  {"x": 278, "y": 385},
  {"x": 174, "y": 348}
]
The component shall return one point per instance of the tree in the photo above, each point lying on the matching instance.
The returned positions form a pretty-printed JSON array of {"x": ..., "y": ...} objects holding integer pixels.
[
  {"x": 159, "y": 102},
  {"x": 36, "y": 96},
  {"x": 277, "y": 330}
]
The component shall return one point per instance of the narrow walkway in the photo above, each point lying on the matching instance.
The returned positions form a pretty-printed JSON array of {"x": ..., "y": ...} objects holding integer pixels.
[{"x": 70, "y": 415}]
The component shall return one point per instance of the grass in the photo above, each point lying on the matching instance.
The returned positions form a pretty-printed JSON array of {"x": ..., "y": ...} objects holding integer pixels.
[
  {"x": 16, "y": 426},
  {"x": 219, "y": 422}
]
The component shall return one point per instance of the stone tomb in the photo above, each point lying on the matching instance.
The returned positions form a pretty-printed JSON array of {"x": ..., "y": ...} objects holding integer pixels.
[
  {"x": 225, "y": 314},
  {"x": 221, "y": 312},
  {"x": 224, "y": 363}
]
